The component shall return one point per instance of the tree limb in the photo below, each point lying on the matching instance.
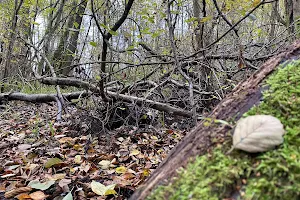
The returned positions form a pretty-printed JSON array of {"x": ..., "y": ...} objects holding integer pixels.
[{"x": 131, "y": 99}]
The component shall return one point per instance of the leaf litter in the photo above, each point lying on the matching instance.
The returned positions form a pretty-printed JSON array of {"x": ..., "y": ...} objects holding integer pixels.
[{"x": 43, "y": 159}]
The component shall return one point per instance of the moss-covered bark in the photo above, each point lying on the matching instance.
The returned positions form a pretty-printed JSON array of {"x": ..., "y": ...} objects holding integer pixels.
[{"x": 271, "y": 175}]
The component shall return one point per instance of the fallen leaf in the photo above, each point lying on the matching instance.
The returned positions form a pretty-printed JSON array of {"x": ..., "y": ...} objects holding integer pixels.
[
  {"x": 134, "y": 152},
  {"x": 146, "y": 172},
  {"x": 38, "y": 195},
  {"x": 52, "y": 161},
  {"x": 77, "y": 159},
  {"x": 12, "y": 193},
  {"x": 121, "y": 170},
  {"x": 77, "y": 147},
  {"x": 41, "y": 186},
  {"x": 66, "y": 140},
  {"x": 101, "y": 189},
  {"x": 23, "y": 196},
  {"x": 57, "y": 176},
  {"x": 258, "y": 133},
  {"x": 68, "y": 196},
  {"x": 64, "y": 182},
  {"x": 104, "y": 164}
]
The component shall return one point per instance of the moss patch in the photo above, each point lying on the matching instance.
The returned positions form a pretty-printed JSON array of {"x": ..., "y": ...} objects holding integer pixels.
[{"x": 271, "y": 175}]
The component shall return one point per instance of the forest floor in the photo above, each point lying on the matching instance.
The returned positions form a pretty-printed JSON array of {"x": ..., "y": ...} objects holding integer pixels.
[{"x": 44, "y": 159}]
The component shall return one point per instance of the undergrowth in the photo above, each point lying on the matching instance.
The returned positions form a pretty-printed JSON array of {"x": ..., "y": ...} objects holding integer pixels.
[
  {"x": 271, "y": 175},
  {"x": 34, "y": 87}
]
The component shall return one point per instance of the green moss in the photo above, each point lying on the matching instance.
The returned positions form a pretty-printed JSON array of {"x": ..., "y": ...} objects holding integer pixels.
[{"x": 271, "y": 175}]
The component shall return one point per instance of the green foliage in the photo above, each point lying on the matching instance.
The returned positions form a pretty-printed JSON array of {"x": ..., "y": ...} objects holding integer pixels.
[
  {"x": 271, "y": 175},
  {"x": 94, "y": 44},
  {"x": 33, "y": 87}
]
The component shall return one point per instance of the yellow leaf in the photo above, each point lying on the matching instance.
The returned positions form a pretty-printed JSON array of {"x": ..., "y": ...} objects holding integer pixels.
[
  {"x": 77, "y": 159},
  {"x": 52, "y": 161},
  {"x": 72, "y": 170},
  {"x": 109, "y": 191},
  {"x": 101, "y": 189},
  {"x": 121, "y": 170},
  {"x": 146, "y": 172},
  {"x": 154, "y": 137},
  {"x": 134, "y": 152},
  {"x": 77, "y": 147}
]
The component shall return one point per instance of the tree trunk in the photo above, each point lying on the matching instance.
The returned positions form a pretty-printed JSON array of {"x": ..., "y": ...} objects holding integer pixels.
[
  {"x": 61, "y": 48},
  {"x": 12, "y": 39},
  {"x": 72, "y": 47},
  {"x": 273, "y": 20},
  {"x": 200, "y": 26},
  {"x": 289, "y": 13},
  {"x": 200, "y": 140},
  {"x": 297, "y": 16}
]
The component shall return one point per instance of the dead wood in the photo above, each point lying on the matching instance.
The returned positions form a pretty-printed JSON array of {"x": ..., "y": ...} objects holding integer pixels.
[
  {"x": 90, "y": 87},
  {"x": 40, "y": 98},
  {"x": 199, "y": 141}
]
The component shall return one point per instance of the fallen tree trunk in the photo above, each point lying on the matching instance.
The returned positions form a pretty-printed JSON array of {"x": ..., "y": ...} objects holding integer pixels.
[
  {"x": 40, "y": 98},
  {"x": 90, "y": 87},
  {"x": 200, "y": 140}
]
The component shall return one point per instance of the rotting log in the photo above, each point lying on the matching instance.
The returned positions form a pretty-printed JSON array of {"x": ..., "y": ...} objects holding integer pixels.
[{"x": 232, "y": 107}]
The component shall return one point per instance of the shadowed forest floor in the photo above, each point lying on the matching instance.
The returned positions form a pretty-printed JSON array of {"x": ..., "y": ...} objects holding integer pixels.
[{"x": 62, "y": 156}]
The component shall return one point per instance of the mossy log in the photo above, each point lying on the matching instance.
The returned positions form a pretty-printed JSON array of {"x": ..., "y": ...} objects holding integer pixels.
[{"x": 205, "y": 137}]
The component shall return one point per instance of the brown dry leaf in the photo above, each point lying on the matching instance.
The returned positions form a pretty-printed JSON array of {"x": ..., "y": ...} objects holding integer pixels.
[
  {"x": 128, "y": 176},
  {"x": 78, "y": 147},
  {"x": 15, "y": 192},
  {"x": 56, "y": 176},
  {"x": 85, "y": 167},
  {"x": 64, "y": 182},
  {"x": 38, "y": 195},
  {"x": 23, "y": 196},
  {"x": 81, "y": 195},
  {"x": 68, "y": 140},
  {"x": 2, "y": 187}
]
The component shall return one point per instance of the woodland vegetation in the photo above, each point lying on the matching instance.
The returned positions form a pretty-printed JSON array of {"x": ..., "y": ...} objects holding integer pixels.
[{"x": 96, "y": 93}]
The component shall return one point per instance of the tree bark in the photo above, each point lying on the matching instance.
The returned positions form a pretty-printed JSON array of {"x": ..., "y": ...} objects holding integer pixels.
[
  {"x": 72, "y": 47},
  {"x": 200, "y": 26},
  {"x": 289, "y": 13},
  {"x": 200, "y": 140},
  {"x": 12, "y": 39},
  {"x": 40, "y": 98}
]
